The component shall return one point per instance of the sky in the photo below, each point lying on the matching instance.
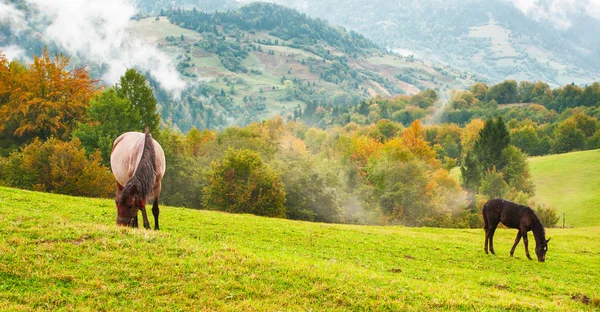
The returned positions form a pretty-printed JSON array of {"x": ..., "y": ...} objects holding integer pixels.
[
  {"x": 559, "y": 13},
  {"x": 97, "y": 29}
]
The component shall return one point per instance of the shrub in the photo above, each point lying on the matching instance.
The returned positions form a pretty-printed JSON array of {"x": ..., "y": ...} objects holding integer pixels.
[
  {"x": 242, "y": 183},
  {"x": 58, "y": 167},
  {"x": 547, "y": 215}
]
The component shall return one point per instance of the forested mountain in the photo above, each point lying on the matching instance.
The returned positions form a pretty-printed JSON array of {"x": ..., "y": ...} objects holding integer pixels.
[
  {"x": 263, "y": 59},
  {"x": 554, "y": 41}
]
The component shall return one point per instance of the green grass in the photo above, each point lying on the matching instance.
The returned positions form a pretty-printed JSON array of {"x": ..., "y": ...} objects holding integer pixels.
[
  {"x": 570, "y": 183},
  {"x": 60, "y": 252}
]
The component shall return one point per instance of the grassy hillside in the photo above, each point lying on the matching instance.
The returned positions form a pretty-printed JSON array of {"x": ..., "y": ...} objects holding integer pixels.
[
  {"x": 65, "y": 252},
  {"x": 570, "y": 183}
]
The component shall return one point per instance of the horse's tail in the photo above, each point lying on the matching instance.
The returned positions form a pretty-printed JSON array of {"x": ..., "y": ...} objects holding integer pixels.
[{"x": 143, "y": 177}]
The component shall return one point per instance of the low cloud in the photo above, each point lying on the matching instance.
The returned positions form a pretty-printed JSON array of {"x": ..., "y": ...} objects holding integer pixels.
[
  {"x": 13, "y": 17},
  {"x": 96, "y": 30},
  {"x": 559, "y": 13}
]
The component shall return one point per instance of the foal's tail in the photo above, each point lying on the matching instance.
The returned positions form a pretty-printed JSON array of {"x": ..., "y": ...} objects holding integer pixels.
[{"x": 485, "y": 220}]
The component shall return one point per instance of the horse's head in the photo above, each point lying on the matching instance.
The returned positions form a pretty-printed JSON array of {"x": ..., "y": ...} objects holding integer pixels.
[
  {"x": 541, "y": 249},
  {"x": 126, "y": 206}
]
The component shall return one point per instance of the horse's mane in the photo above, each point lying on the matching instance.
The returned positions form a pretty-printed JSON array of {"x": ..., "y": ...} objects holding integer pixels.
[{"x": 143, "y": 177}]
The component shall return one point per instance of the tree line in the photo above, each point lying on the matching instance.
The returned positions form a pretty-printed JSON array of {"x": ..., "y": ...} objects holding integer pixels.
[{"x": 377, "y": 172}]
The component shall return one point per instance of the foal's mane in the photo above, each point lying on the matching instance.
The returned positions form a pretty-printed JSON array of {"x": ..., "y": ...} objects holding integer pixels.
[
  {"x": 539, "y": 232},
  {"x": 143, "y": 177}
]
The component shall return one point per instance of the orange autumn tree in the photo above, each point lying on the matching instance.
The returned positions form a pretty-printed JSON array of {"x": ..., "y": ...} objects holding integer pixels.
[
  {"x": 410, "y": 184},
  {"x": 47, "y": 99}
]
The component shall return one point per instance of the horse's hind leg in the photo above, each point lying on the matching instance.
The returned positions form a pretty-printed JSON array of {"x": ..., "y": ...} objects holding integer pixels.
[
  {"x": 525, "y": 241},
  {"x": 155, "y": 212},
  {"x": 517, "y": 240}
]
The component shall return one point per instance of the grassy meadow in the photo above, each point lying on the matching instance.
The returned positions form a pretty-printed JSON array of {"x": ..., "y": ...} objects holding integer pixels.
[
  {"x": 569, "y": 183},
  {"x": 61, "y": 252}
]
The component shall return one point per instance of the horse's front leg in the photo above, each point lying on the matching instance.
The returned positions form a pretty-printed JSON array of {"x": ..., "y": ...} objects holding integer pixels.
[
  {"x": 145, "y": 215},
  {"x": 525, "y": 241},
  {"x": 517, "y": 240}
]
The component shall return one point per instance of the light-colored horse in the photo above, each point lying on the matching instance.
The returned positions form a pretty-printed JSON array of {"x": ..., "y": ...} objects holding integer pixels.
[{"x": 138, "y": 164}]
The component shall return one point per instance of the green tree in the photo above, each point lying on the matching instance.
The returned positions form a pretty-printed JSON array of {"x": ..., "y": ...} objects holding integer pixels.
[
  {"x": 387, "y": 128},
  {"x": 289, "y": 89},
  {"x": 504, "y": 92},
  {"x": 311, "y": 188},
  {"x": 479, "y": 90},
  {"x": 242, "y": 183},
  {"x": 526, "y": 139},
  {"x": 132, "y": 86},
  {"x": 110, "y": 116},
  {"x": 568, "y": 137},
  {"x": 493, "y": 184},
  {"x": 525, "y": 91},
  {"x": 450, "y": 146},
  {"x": 516, "y": 170},
  {"x": 493, "y": 138},
  {"x": 185, "y": 179},
  {"x": 544, "y": 146},
  {"x": 471, "y": 176}
]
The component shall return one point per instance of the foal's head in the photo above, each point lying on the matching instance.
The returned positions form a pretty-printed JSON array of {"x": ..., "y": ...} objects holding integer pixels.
[
  {"x": 541, "y": 249},
  {"x": 126, "y": 206}
]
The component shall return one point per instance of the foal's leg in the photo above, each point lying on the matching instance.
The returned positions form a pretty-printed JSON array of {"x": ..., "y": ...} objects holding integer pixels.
[
  {"x": 492, "y": 231},
  {"x": 517, "y": 240},
  {"x": 525, "y": 241},
  {"x": 486, "y": 241},
  {"x": 145, "y": 215}
]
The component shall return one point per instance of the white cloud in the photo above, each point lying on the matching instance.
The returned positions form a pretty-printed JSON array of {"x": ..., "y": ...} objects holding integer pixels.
[
  {"x": 558, "y": 12},
  {"x": 96, "y": 30},
  {"x": 14, "y": 52}
]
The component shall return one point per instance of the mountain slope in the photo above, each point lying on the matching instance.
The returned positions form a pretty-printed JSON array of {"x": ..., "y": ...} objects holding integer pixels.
[
  {"x": 493, "y": 39},
  {"x": 61, "y": 252},
  {"x": 264, "y": 59},
  {"x": 490, "y": 38}
]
